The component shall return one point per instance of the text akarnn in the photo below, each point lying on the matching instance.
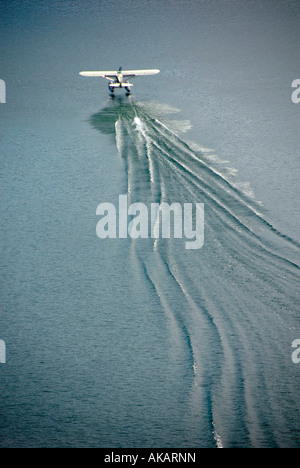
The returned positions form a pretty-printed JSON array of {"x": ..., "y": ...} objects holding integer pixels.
[{"x": 173, "y": 457}]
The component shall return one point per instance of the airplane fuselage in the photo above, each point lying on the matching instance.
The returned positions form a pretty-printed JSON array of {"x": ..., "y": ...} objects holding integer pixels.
[
  {"x": 119, "y": 83},
  {"x": 119, "y": 78}
]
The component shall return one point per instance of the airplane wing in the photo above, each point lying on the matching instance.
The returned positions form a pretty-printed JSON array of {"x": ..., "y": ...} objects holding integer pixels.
[
  {"x": 109, "y": 74},
  {"x": 113, "y": 74},
  {"x": 131, "y": 73}
]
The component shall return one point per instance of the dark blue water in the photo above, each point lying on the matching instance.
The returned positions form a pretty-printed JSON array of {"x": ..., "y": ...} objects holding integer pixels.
[{"x": 142, "y": 343}]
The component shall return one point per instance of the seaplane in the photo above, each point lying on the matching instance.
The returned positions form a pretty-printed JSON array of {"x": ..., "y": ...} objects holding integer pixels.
[{"x": 119, "y": 79}]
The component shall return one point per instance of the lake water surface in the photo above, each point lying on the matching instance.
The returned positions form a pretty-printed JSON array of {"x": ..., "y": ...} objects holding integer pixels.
[{"x": 144, "y": 343}]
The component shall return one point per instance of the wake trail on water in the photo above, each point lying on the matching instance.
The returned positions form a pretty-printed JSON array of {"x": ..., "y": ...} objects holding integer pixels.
[{"x": 231, "y": 306}]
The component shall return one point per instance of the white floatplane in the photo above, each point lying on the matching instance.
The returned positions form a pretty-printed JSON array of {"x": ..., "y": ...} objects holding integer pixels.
[{"x": 119, "y": 79}]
